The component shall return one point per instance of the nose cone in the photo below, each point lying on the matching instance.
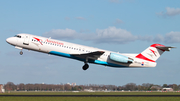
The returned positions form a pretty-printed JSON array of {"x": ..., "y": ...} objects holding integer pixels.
[
  {"x": 11, "y": 41},
  {"x": 8, "y": 40}
]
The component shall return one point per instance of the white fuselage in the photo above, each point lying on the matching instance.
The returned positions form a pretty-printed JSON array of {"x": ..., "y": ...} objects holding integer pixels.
[{"x": 66, "y": 49}]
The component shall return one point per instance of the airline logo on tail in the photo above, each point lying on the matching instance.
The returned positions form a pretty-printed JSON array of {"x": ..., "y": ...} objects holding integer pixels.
[{"x": 154, "y": 52}]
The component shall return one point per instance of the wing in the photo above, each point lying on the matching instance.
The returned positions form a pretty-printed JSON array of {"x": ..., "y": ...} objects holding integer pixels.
[{"x": 92, "y": 55}]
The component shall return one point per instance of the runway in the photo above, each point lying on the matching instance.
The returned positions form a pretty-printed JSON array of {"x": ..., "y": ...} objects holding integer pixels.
[{"x": 89, "y": 95}]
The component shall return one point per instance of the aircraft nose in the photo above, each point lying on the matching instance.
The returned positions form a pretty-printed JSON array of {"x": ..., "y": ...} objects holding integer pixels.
[
  {"x": 8, "y": 40},
  {"x": 11, "y": 41}
]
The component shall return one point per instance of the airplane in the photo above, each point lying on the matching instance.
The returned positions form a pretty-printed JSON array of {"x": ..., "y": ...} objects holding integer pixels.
[{"x": 86, "y": 54}]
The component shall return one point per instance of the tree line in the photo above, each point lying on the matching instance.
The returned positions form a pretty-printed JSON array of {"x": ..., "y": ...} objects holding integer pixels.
[{"x": 10, "y": 86}]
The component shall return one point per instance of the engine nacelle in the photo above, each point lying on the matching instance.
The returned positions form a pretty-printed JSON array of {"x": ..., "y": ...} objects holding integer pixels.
[{"x": 120, "y": 58}]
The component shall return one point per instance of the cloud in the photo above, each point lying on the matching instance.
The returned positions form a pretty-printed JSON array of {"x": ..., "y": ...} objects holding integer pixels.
[
  {"x": 160, "y": 14},
  {"x": 112, "y": 35},
  {"x": 169, "y": 12},
  {"x": 172, "y": 37},
  {"x": 118, "y": 21},
  {"x": 158, "y": 38},
  {"x": 80, "y": 18},
  {"x": 109, "y": 35},
  {"x": 172, "y": 11}
]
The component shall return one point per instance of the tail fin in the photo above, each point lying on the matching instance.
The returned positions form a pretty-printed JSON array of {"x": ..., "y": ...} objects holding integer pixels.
[{"x": 153, "y": 52}]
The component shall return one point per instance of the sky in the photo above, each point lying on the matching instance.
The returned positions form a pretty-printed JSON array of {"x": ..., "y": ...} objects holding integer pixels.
[{"x": 125, "y": 26}]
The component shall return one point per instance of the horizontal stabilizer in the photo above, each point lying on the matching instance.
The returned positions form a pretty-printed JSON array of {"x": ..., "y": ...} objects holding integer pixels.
[{"x": 165, "y": 48}]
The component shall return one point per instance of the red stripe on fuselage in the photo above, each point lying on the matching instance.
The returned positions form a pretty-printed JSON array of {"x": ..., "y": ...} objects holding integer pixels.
[{"x": 140, "y": 56}]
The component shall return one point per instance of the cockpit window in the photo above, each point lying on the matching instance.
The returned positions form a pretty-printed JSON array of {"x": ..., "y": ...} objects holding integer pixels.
[{"x": 17, "y": 36}]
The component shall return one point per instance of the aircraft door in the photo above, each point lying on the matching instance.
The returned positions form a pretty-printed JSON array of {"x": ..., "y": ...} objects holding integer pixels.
[{"x": 26, "y": 40}]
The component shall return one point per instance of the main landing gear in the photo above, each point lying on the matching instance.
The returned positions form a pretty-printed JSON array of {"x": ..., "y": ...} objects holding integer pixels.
[{"x": 85, "y": 67}]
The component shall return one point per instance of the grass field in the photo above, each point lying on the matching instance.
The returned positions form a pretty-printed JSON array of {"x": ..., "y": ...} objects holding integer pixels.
[
  {"x": 89, "y": 93},
  {"x": 90, "y": 98}
]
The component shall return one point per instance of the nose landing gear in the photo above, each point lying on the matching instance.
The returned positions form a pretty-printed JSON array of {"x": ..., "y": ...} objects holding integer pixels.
[{"x": 21, "y": 53}]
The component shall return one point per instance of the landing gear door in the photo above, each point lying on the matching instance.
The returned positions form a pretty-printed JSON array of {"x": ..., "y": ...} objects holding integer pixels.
[{"x": 26, "y": 40}]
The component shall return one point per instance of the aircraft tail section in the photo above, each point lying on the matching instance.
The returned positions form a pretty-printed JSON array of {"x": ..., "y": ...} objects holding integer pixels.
[{"x": 153, "y": 52}]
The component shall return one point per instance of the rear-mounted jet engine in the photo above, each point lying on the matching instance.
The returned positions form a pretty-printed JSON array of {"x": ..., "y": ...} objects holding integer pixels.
[{"x": 120, "y": 58}]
